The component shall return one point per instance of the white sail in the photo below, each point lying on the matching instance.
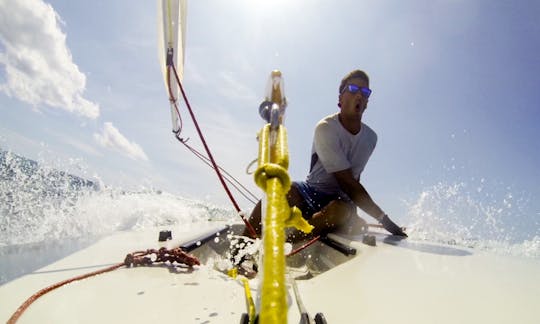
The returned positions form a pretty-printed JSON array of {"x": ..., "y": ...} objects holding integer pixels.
[{"x": 171, "y": 36}]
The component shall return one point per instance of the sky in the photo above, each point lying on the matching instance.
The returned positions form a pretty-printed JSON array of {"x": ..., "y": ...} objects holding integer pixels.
[{"x": 455, "y": 90}]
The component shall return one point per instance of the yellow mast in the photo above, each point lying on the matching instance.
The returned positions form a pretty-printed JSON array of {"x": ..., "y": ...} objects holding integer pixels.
[{"x": 272, "y": 176}]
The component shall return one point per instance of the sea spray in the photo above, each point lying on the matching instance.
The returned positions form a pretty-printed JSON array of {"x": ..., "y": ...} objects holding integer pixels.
[
  {"x": 46, "y": 214},
  {"x": 39, "y": 203},
  {"x": 476, "y": 214}
]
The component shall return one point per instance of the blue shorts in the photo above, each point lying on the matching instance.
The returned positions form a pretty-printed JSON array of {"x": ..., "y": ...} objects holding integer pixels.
[{"x": 314, "y": 200}]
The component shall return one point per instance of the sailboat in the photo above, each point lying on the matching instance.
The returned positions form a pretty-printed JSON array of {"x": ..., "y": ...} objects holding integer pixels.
[{"x": 357, "y": 274}]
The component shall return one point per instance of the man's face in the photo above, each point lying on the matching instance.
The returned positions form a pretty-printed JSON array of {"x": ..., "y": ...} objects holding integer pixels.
[{"x": 353, "y": 104}]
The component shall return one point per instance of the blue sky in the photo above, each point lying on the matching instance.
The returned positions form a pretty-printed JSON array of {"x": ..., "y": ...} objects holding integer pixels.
[{"x": 455, "y": 89}]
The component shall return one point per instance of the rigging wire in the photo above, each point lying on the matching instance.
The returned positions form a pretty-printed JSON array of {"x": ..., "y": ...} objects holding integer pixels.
[
  {"x": 211, "y": 160},
  {"x": 240, "y": 188}
]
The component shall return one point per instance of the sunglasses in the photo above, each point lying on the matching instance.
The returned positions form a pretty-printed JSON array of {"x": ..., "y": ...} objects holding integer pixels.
[{"x": 353, "y": 88}]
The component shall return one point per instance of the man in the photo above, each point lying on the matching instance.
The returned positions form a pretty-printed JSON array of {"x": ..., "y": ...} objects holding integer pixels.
[{"x": 342, "y": 145}]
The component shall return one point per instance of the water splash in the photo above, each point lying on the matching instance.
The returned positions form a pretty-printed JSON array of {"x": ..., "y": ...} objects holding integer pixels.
[
  {"x": 39, "y": 203},
  {"x": 476, "y": 214},
  {"x": 46, "y": 214}
]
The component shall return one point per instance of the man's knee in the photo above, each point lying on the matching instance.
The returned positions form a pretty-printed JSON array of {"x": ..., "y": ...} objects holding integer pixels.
[
  {"x": 336, "y": 213},
  {"x": 294, "y": 197},
  {"x": 341, "y": 208}
]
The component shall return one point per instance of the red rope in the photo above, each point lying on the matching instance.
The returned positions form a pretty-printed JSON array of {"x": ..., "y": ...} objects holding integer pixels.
[
  {"x": 228, "y": 177},
  {"x": 306, "y": 245},
  {"x": 43, "y": 291},
  {"x": 231, "y": 180},
  {"x": 138, "y": 258},
  {"x": 250, "y": 228}
]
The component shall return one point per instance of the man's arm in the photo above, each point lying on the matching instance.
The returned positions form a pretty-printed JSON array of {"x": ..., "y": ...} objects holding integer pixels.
[
  {"x": 358, "y": 193},
  {"x": 362, "y": 199}
]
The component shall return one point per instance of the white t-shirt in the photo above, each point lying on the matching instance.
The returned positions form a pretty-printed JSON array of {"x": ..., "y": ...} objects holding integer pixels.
[{"x": 336, "y": 149}]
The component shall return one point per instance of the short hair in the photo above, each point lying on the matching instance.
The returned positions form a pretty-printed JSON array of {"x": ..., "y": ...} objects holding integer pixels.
[{"x": 356, "y": 74}]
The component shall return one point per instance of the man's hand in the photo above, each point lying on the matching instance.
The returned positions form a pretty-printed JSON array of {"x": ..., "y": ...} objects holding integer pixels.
[{"x": 391, "y": 227}]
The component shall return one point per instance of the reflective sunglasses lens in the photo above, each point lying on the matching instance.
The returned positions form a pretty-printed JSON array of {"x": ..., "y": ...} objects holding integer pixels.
[
  {"x": 353, "y": 88},
  {"x": 366, "y": 92}
]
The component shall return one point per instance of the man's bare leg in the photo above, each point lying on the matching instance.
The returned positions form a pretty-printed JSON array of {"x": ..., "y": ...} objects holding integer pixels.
[
  {"x": 293, "y": 197},
  {"x": 334, "y": 215}
]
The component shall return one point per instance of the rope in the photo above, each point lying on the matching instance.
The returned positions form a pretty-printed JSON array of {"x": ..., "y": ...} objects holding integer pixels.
[
  {"x": 15, "y": 317},
  {"x": 245, "y": 193},
  {"x": 304, "y": 246},
  {"x": 250, "y": 304},
  {"x": 272, "y": 177},
  {"x": 216, "y": 168},
  {"x": 242, "y": 190},
  {"x": 138, "y": 258}
]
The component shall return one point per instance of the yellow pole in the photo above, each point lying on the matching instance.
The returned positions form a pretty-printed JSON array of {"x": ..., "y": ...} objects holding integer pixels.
[{"x": 272, "y": 176}]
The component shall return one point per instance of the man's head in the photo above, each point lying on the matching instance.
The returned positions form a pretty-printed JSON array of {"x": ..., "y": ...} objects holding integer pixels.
[
  {"x": 354, "y": 94},
  {"x": 356, "y": 74}
]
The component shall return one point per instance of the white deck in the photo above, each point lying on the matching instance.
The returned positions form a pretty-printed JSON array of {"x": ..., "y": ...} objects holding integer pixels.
[
  {"x": 397, "y": 281},
  {"x": 426, "y": 283}
]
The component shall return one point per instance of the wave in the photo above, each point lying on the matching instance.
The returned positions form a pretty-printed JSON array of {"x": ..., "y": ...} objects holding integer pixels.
[
  {"x": 40, "y": 204},
  {"x": 46, "y": 214}
]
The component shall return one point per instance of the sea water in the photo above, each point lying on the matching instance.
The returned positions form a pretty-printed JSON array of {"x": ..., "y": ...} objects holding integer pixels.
[{"x": 46, "y": 214}]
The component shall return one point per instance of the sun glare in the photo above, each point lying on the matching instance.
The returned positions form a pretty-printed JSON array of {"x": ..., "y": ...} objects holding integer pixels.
[{"x": 269, "y": 6}]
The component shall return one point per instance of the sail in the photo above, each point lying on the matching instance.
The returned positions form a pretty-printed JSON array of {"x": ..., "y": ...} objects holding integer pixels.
[{"x": 171, "y": 43}]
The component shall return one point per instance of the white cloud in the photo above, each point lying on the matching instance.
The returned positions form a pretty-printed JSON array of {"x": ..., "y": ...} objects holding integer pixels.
[
  {"x": 113, "y": 139},
  {"x": 38, "y": 65}
]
